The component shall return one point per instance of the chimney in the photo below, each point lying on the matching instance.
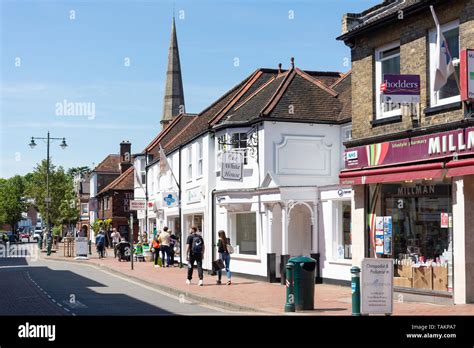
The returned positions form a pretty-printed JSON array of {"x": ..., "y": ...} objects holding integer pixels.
[
  {"x": 292, "y": 59},
  {"x": 125, "y": 155},
  {"x": 349, "y": 21},
  {"x": 279, "y": 68}
]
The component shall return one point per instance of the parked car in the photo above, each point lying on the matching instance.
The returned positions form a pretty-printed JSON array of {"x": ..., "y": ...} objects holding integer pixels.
[
  {"x": 38, "y": 233},
  {"x": 24, "y": 237}
]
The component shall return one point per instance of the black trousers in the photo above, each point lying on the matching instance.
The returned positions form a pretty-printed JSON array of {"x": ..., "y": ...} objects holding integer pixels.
[{"x": 198, "y": 260}]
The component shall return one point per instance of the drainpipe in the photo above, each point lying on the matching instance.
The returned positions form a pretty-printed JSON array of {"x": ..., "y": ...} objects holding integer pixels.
[
  {"x": 213, "y": 228},
  {"x": 179, "y": 213}
]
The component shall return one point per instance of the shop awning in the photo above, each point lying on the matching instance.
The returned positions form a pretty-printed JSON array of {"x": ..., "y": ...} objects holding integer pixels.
[
  {"x": 392, "y": 174},
  {"x": 460, "y": 167}
]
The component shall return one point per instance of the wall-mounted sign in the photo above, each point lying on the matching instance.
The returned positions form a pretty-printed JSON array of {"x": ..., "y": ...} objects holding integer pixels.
[
  {"x": 425, "y": 147},
  {"x": 379, "y": 235},
  {"x": 344, "y": 192},
  {"x": 444, "y": 220},
  {"x": 170, "y": 199},
  {"x": 403, "y": 89},
  {"x": 194, "y": 195},
  {"x": 137, "y": 205},
  {"x": 377, "y": 286},
  {"x": 232, "y": 166},
  {"x": 467, "y": 74}
]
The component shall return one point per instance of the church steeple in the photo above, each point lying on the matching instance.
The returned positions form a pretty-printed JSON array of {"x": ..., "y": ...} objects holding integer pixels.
[{"x": 173, "y": 102}]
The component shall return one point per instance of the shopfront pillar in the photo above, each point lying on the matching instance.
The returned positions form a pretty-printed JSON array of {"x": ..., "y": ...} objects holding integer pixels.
[
  {"x": 358, "y": 225},
  {"x": 463, "y": 239},
  {"x": 284, "y": 229}
]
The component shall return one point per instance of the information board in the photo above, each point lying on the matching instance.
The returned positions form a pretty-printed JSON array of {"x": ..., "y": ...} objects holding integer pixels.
[{"x": 377, "y": 286}]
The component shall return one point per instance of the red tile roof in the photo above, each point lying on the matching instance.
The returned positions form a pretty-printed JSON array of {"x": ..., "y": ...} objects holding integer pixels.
[
  {"x": 110, "y": 164},
  {"x": 124, "y": 182}
]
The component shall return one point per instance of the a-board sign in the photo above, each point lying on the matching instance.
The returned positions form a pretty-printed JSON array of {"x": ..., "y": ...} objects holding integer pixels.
[
  {"x": 377, "y": 286},
  {"x": 81, "y": 246}
]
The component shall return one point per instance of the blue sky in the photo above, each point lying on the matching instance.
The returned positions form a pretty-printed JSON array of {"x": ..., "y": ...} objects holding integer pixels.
[{"x": 48, "y": 57}]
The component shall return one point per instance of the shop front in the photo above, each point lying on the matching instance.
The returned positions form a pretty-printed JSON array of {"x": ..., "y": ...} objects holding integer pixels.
[{"x": 413, "y": 202}]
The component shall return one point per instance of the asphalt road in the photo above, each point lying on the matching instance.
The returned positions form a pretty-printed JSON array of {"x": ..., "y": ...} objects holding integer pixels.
[{"x": 29, "y": 286}]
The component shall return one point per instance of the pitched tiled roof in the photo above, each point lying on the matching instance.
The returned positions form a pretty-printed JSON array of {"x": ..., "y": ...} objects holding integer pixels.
[
  {"x": 378, "y": 13},
  {"x": 201, "y": 123},
  {"x": 343, "y": 88},
  {"x": 125, "y": 181},
  {"x": 292, "y": 95},
  {"x": 110, "y": 164}
]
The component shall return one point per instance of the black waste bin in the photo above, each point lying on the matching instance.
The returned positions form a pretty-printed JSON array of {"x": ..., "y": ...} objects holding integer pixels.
[{"x": 304, "y": 277}]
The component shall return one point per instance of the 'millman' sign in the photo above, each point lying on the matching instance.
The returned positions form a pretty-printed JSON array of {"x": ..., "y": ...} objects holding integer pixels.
[{"x": 404, "y": 89}]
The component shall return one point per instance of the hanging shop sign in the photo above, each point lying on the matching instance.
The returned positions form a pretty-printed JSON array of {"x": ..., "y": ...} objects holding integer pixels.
[
  {"x": 170, "y": 199},
  {"x": 232, "y": 166},
  {"x": 404, "y": 89},
  {"x": 377, "y": 286},
  {"x": 467, "y": 74},
  {"x": 425, "y": 147}
]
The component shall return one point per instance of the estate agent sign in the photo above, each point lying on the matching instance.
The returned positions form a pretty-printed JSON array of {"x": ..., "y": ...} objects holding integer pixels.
[
  {"x": 403, "y": 89},
  {"x": 467, "y": 74},
  {"x": 377, "y": 286},
  {"x": 425, "y": 147}
]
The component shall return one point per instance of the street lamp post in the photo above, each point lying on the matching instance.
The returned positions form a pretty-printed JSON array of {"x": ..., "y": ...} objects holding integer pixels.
[{"x": 48, "y": 198}]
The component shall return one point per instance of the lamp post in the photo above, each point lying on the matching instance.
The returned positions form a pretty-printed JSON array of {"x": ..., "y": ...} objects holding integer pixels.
[{"x": 63, "y": 145}]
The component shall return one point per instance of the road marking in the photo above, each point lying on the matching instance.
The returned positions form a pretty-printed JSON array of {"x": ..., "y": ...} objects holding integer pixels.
[{"x": 49, "y": 296}]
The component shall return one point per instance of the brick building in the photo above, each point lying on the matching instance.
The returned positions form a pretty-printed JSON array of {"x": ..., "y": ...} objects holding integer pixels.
[
  {"x": 113, "y": 200},
  {"x": 413, "y": 164}
]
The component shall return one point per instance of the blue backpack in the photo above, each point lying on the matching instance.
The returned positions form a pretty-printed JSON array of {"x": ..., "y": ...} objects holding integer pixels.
[{"x": 197, "y": 246}]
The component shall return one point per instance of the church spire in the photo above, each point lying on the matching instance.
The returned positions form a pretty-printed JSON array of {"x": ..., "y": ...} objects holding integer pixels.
[{"x": 173, "y": 102}]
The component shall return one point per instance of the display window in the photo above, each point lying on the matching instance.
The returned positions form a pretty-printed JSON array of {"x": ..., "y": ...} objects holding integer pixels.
[{"x": 417, "y": 233}]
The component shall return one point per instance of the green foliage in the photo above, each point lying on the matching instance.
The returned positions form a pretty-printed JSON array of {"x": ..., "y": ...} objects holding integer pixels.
[
  {"x": 57, "y": 230},
  {"x": 12, "y": 201},
  {"x": 62, "y": 208},
  {"x": 76, "y": 170},
  {"x": 95, "y": 226}
]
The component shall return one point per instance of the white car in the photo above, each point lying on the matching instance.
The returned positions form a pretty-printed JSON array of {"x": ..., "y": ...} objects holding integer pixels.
[{"x": 38, "y": 234}]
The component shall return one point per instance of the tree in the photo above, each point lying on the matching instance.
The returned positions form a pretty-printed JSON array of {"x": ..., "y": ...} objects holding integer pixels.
[
  {"x": 68, "y": 211},
  {"x": 76, "y": 170},
  {"x": 60, "y": 188},
  {"x": 12, "y": 201}
]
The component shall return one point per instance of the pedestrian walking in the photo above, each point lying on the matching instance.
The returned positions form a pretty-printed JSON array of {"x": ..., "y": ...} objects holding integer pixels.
[
  {"x": 115, "y": 240},
  {"x": 164, "y": 240},
  {"x": 156, "y": 249},
  {"x": 224, "y": 254},
  {"x": 173, "y": 245},
  {"x": 194, "y": 253},
  {"x": 100, "y": 243}
]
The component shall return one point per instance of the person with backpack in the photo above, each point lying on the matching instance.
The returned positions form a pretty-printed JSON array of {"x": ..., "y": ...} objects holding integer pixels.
[
  {"x": 194, "y": 253},
  {"x": 223, "y": 246},
  {"x": 100, "y": 243},
  {"x": 164, "y": 240},
  {"x": 156, "y": 249}
]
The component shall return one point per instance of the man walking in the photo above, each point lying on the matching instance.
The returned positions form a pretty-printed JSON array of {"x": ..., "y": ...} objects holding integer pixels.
[
  {"x": 100, "y": 242},
  {"x": 194, "y": 253}
]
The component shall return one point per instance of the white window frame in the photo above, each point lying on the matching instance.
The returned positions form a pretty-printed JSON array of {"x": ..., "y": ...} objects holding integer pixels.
[
  {"x": 143, "y": 171},
  {"x": 378, "y": 81},
  {"x": 189, "y": 171},
  {"x": 232, "y": 228},
  {"x": 200, "y": 159},
  {"x": 338, "y": 237},
  {"x": 434, "y": 100},
  {"x": 244, "y": 150},
  {"x": 86, "y": 210}
]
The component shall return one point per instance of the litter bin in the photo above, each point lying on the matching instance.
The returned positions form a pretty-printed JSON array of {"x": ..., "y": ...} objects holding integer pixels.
[{"x": 304, "y": 277}]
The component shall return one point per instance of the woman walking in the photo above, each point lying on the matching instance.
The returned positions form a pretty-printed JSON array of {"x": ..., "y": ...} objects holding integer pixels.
[
  {"x": 224, "y": 255},
  {"x": 156, "y": 249}
]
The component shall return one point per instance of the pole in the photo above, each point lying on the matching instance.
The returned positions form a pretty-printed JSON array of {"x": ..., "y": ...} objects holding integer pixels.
[
  {"x": 179, "y": 213},
  {"x": 131, "y": 239},
  {"x": 48, "y": 239},
  {"x": 355, "y": 285}
]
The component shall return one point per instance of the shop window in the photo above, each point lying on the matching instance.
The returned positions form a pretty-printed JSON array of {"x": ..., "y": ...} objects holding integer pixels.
[
  {"x": 244, "y": 233},
  {"x": 449, "y": 93},
  {"x": 84, "y": 208},
  {"x": 387, "y": 61},
  {"x": 344, "y": 238},
  {"x": 421, "y": 235}
]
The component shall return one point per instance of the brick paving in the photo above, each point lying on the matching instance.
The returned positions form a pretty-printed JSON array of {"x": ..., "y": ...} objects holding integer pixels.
[{"x": 246, "y": 294}]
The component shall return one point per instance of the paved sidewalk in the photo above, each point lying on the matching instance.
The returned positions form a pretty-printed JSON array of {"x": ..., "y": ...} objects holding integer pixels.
[{"x": 250, "y": 295}]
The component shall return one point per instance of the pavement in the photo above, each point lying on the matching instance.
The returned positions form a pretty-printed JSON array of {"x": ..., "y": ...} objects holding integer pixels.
[{"x": 245, "y": 295}]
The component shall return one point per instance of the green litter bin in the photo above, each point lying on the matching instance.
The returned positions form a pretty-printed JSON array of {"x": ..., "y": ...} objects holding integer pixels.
[{"x": 304, "y": 276}]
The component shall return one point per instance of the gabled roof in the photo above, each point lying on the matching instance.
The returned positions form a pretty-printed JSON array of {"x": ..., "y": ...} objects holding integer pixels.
[
  {"x": 343, "y": 88},
  {"x": 125, "y": 181},
  {"x": 293, "y": 95},
  {"x": 110, "y": 164}
]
